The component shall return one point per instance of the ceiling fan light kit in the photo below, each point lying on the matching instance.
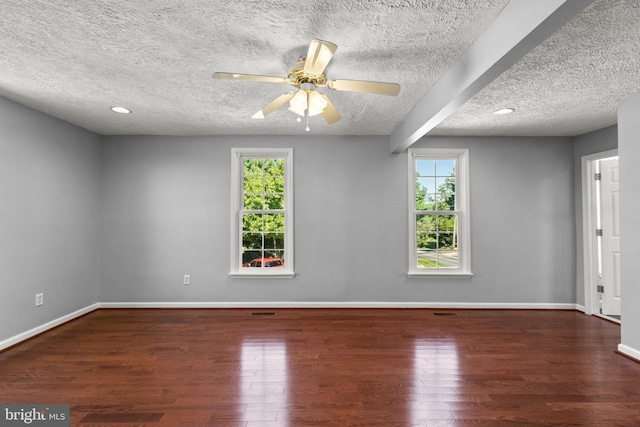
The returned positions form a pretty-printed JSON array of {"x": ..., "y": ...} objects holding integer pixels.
[
  {"x": 308, "y": 101},
  {"x": 306, "y": 76}
]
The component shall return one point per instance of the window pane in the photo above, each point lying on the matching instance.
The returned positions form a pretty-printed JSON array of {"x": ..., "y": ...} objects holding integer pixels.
[
  {"x": 252, "y": 167},
  {"x": 425, "y": 223},
  {"x": 252, "y": 222},
  {"x": 426, "y": 241},
  {"x": 445, "y": 167},
  {"x": 430, "y": 202},
  {"x": 252, "y": 202},
  {"x": 425, "y": 167},
  {"x": 252, "y": 240},
  {"x": 446, "y": 202},
  {"x": 274, "y": 241},
  {"x": 279, "y": 254},
  {"x": 252, "y": 255},
  {"x": 274, "y": 202},
  {"x": 446, "y": 223},
  {"x": 427, "y": 259},
  {"x": 428, "y": 185},
  {"x": 273, "y": 262},
  {"x": 274, "y": 167},
  {"x": 448, "y": 259},
  {"x": 445, "y": 241},
  {"x": 252, "y": 185},
  {"x": 274, "y": 185},
  {"x": 444, "y": 184},
  {"x": 274, "y": 222},
  {"x": 449, "y": 185}
]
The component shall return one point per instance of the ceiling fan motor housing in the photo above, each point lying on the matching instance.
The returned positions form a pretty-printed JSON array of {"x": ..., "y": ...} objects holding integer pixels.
[{"x": 297, "y": 76}]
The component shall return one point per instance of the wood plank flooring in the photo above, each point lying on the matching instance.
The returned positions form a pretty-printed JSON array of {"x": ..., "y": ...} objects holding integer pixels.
[{"x": 328, "y": 367}]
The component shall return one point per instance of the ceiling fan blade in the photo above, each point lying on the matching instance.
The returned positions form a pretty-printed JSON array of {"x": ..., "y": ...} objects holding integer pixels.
[
  {"x": 319, "y": 54},
  {"x": 250, "y": 77},
  {"x": 273, "y": 105},
  {"x": 379, "y": 88},
  {"x": 330, "y": 113}
]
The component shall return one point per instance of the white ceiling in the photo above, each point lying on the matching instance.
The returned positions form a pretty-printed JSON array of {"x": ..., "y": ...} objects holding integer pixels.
[{"x": 74, "y": 59}]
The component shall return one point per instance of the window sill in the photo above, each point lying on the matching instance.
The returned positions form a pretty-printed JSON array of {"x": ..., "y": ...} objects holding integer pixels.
[
  {"x": 448, "y": 274},
  {"x": 261, "y": 275}
]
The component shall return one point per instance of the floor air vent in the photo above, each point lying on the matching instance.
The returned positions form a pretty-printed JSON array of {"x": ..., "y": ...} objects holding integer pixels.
[
  {"x": 444, "y": 314},
  {"x": 263, "y": 313}
]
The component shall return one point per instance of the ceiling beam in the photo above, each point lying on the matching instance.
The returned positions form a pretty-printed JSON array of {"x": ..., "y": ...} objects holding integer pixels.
[{"x": 521, "y": 26}]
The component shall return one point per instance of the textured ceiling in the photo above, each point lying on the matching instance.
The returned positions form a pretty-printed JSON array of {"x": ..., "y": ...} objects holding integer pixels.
[
  {"x": 570, "y": 84},
  {"x": 74, "y": 59}
]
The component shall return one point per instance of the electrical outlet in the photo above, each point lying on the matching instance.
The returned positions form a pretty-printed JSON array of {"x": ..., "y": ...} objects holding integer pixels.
[
  {"x": 187, "y": 279},
  {"x": 39, "y": 300}
]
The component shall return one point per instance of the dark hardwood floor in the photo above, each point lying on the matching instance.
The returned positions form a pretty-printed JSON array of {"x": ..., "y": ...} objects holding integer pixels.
[{"x": 328, "y": 367}]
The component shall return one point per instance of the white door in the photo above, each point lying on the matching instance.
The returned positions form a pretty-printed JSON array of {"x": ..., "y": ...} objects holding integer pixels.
[{"x": 609, "y": 187}]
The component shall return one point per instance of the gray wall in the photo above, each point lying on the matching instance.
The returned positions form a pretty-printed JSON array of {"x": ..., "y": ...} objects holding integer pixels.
[
  {"x": 49, "y": 175},
  {"x": 165, "y": 208},
  {"x": 136, "y": 213},
  {"x": 590, "y": 143},
  {"x": 629, "y": 152}
]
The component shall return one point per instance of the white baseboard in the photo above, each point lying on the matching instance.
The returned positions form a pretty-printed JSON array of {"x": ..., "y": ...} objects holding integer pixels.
[
  {"x": 287, "y": 304},
  {"x": 43, "y": 328},
  {"x": 629, "y": 351},
  {"x": 352, "y": 304}
]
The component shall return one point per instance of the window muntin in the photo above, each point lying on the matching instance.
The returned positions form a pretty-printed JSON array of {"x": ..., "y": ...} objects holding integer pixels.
[
  {"x": 438, "y": 212},
  {"x": 262, "y": 214}
]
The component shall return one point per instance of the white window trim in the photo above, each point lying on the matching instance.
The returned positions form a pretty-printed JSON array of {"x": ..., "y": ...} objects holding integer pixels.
[
  {"x": 237, "y": 157},
  {"x": 462, "y": 203}
]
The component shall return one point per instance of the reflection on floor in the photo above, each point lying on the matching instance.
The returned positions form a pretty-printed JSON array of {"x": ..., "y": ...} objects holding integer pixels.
[{"x": 328, "y": 367}]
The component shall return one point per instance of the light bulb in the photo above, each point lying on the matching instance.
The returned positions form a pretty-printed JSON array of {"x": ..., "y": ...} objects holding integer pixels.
[
  {"x": 307, "y": 129},
  {"x": 317, "y": 103},
  {"x": 298, "y": 103},
  {"x": 298, "y": 119}
]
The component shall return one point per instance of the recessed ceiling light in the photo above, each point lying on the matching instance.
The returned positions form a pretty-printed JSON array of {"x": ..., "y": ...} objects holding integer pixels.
[
  {"x": 504, "y": 111},
  {"x": 120, "y": 110}
]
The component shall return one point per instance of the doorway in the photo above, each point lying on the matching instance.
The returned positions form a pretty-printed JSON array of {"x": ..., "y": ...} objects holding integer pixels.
[{"x": 601, "y": 235}]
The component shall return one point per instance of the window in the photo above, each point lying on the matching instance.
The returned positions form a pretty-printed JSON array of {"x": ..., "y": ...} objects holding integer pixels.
[
  {"x": 439, "y": 213},
  {"x": 262, "y": 212}
]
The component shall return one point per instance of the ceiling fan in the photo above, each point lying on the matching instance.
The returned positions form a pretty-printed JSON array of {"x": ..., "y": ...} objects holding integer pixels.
[{"x": 306, "y": 76}]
